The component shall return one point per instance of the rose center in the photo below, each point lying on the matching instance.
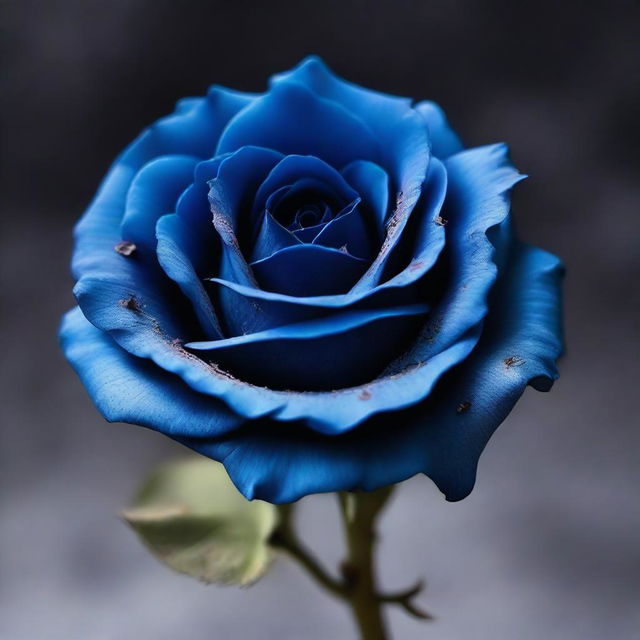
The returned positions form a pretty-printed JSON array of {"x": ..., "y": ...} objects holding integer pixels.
[
  {"x": 310, "y": 216},
  {"x": 306, "y": 209}
]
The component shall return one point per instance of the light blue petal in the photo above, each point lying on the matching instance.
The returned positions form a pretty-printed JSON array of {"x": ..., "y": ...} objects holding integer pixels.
[
  {"x": 129, "y": 389},
  {"x": 444, "y": 140},
  {"x": 129, "y": 305},
  {"x": 98, "y": 231},
  {"x": 520, "y": 345}
]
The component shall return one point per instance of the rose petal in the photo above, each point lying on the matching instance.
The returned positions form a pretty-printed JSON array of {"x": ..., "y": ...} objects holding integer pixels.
[
  {"x": 328, "y": 353},
  {"x": 400, "y": 131},
  {"x": 272, "y": 237},
  {"x": 428, "y": 246},
  {"x": 153, "y": 193},
  {"x": 129, "y": 389},
  {"x": 281, "y": 463},
  {"x": 175, "y": 245},
  {"x": 372, "y": 183},
  {"x": 194, "y": 129},
  {"x": 444, "y": 140},
  {"x": 230, "y": 195},
  {"x": 308, "y": 269},
  {"x": 349, "y": 232},
  {"x": 478, "y": 203},
  {"x": 293, "y": 120},
  {"x": 293, "y": 168}
]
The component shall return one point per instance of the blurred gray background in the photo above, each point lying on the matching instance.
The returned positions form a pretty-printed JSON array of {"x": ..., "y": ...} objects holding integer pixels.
[{"x": 547, "y": 546}]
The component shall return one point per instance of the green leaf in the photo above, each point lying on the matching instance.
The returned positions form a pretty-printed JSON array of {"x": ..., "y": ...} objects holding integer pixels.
[{"x": 191, "y": 517}]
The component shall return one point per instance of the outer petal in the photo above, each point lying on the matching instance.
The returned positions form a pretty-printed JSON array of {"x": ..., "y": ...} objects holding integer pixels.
[
  {"x": 478, "y": 204},
  {"x": 441, "y": 437},
  {"x": 292, "y": 120},
  {"x": 129, "y": 389},
  {"x": 444, "y": 140},
  {"x": 194, "y": 130},
  {"x": 398, "y": 127}
]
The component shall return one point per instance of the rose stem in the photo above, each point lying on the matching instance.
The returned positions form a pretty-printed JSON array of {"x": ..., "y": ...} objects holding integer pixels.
[{"x": 359, "y": 512}]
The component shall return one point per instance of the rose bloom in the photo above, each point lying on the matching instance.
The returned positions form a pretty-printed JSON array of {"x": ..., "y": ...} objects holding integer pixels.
[{"x": 318, "y": 286}]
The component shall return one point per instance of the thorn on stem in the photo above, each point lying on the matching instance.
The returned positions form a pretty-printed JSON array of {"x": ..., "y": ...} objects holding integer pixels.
[{"x": 404, "y": 600}]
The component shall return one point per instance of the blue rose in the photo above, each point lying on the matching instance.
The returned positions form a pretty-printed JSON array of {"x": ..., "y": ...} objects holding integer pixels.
[{"x": 318, "y": 286}]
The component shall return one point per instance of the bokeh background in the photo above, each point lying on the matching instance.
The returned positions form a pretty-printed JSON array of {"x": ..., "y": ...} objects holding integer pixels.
[{"x": 547, "y": 546}]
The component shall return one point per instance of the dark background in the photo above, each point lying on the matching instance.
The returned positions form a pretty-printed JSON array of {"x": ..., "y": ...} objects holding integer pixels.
[{"x": 547, "y": 545}]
